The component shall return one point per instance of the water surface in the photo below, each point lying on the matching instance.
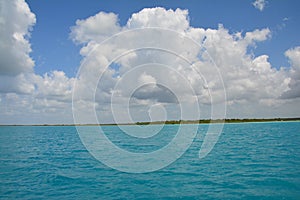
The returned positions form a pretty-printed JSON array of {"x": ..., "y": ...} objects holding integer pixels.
[{"x": 250, "y": 161}]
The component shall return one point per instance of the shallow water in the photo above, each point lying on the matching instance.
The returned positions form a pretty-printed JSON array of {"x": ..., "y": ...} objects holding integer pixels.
[{"x": 249, "y": 161}]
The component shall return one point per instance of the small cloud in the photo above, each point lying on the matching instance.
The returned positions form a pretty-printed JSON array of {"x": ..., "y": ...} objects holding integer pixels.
[
  {"x": 283, "y": 23},
  {"x": 259, "y": 4},
  {"x": 285, "y": 19}
]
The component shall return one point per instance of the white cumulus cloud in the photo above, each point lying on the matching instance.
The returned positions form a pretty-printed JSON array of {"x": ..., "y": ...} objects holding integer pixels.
[
  {"x": 259, "y": 4},
  {"x": 185, "y": 70},
  {"x": 95, "y": 27},
  {"x": 16, "y": 20},
  {"x": 25, "y": 96},
  {"x": 294, "y": 85},
  {"x": 156, "y": 58}
]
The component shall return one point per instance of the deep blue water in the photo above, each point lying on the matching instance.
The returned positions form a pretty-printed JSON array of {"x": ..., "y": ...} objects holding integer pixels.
[{"x": 250, "y": 161}]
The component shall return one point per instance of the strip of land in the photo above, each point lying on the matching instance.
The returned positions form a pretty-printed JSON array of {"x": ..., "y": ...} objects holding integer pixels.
[{"x": 201, "y": 121}]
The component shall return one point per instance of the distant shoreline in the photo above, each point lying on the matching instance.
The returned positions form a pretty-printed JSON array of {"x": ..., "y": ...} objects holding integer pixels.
[{"x": 202, "y": 121}]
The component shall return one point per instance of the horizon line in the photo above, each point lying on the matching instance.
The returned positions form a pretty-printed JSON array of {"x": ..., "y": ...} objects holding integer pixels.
[{"x": 181, "y": 121}]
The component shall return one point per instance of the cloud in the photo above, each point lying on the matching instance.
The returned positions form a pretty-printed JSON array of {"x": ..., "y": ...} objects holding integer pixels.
[
  {"x": 26, "y": 96},
  {"x": 55, "y": 84},
  {"x": 248, "y": 80},
  {"x": 155, "y": 92},
  {"x": 95, "y": 27},
  {"x": 259, "y": 4},
  {"x": 294, "y": 85},
  {"x": 21, "y": 84},
  {"x": 160, "y": 17},
  {"x": 16, "y": 72},
  {"x": 258, "y": 35},
  {"x": 156, "y": 58},
  {"x": 16, "y": 65},
  {"x": 16, "y": 21}
]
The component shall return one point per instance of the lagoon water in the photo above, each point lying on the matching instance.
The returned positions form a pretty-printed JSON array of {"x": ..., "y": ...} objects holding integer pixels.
[{"x": 249, "y": 161}]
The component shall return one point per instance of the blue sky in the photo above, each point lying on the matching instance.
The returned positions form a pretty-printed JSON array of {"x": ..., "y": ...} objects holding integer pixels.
[
  {"x": 53, "y": 48},
  {"x": 54, "y": 55}
]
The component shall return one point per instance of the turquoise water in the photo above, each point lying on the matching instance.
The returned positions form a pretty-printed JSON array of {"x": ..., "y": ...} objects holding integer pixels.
[{"x": 250, "y": 161}]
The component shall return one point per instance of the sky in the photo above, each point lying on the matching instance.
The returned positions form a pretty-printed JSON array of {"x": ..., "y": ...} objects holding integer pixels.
[{"x": 106, "y": 61}]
